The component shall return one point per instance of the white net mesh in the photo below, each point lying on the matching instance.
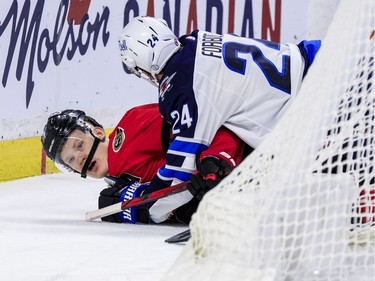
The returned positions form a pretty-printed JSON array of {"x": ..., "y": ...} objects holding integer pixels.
[{"x": 301, "y": 207}]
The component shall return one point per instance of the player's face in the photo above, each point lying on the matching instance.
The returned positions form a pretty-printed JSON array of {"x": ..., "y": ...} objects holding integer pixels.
[{"x": 77, "y": 148}]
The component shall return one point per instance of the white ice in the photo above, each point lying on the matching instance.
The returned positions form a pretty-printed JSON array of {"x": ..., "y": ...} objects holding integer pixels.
[{"x": 44, "y": 236}]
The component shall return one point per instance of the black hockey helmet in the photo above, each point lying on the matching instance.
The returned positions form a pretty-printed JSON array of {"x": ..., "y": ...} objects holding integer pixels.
[{"x": 58, "y": 128}]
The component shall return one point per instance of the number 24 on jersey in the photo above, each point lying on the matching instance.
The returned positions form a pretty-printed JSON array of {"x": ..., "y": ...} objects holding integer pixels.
[{"x": 183, "y": 119}]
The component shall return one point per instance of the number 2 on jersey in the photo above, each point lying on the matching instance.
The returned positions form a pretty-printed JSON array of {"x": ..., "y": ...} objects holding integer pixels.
[
  {"x": 279, "y": 80},
  {"x": 180, "y": 120}
]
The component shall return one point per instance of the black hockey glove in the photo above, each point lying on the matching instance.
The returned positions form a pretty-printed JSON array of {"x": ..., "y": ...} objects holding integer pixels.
[
  {"x": 210, "y": 171},
  {"x": 118, "y": 190}
]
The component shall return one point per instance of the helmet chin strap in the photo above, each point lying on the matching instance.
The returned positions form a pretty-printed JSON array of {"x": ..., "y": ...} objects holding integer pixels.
[
  {"x": 91, "y": 155},
  {"x": 148, "y": 77},
  {"x": 153, "y": 81}
]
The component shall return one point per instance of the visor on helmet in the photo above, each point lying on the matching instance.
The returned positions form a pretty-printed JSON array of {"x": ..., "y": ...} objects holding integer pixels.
[{"x": 73, "y": 151}]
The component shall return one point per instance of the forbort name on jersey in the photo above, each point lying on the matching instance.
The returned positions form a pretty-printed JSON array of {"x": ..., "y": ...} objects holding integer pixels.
[{"x": 212, "y": 45}]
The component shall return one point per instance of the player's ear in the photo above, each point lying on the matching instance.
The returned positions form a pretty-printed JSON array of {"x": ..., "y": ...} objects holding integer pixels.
[{"x": 99, "y": 132}]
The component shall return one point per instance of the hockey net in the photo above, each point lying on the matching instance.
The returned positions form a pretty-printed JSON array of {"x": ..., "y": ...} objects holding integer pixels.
[{"x": 301, "y": 206}]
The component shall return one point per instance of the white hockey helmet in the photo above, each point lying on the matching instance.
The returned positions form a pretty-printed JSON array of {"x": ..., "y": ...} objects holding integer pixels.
[{"x": 147, "y": 43}]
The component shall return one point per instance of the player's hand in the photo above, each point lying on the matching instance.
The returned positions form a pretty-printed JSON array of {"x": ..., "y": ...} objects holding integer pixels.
[
  {"x": 210, "y": 171},
  {"x": 109, "y": 196},
  {"x": 119, "y": 190}
]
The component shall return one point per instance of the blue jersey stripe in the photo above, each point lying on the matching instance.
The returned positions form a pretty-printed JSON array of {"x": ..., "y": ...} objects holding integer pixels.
[
  {"x": 169, "y": 174},
  {"x": 187, "y": 147}
]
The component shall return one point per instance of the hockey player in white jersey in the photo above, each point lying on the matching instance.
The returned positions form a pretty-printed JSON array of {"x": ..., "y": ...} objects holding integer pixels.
[{"x": 208, "y": 80}]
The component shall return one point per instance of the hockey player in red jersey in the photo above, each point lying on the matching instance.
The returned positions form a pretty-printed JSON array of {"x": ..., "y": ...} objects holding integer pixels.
[{"x": 134, "y": 152}]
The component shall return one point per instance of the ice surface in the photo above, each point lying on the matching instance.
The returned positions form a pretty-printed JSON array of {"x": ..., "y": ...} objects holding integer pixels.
[{"x": 44, "y": 237}]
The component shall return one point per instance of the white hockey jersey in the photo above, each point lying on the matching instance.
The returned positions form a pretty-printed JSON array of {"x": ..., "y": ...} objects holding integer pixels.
[{"x": 216, "y": 80}]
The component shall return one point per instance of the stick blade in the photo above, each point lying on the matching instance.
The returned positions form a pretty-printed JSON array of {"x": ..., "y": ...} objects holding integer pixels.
[{"x": 180, "y": 237}]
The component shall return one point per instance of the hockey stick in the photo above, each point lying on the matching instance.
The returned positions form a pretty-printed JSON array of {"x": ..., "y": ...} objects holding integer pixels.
[{"x": 143, "y": 199}]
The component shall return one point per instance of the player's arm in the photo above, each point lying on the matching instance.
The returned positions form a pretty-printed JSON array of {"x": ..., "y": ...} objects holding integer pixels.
[
  {"x": 215, "y": 163},
  {"x": 180, "y": 164},
  {"x": 180, "y": 110},
  {"x": 224, "y": 153},
  {"x": 227, "y": 146},
  {"x": 181, "y": 155}
]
